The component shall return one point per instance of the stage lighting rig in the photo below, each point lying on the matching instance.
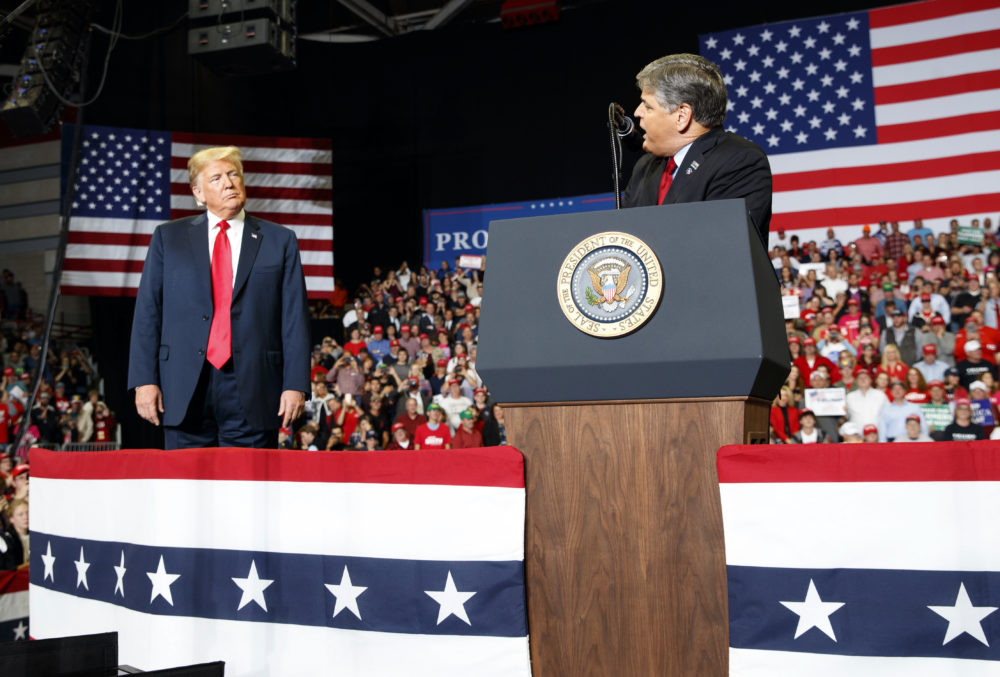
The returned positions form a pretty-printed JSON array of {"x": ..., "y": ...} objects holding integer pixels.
[{"x": 243, "y": 37}]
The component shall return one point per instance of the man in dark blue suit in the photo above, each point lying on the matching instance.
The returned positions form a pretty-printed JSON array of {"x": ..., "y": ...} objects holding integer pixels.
[
  {"x": 689, "y": 156},
  {"x": 220, "y": 339}
]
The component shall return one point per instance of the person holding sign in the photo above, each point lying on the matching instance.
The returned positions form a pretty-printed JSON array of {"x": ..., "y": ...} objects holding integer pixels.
[{"x": 962, "y": 429}]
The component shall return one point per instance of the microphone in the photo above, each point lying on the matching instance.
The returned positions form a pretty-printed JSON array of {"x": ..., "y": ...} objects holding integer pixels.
[{"x": 625, "y": 127}]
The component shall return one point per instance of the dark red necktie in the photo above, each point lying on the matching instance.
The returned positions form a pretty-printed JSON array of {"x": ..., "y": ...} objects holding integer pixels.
[
  {"x": 220, "y": 338},
  {"x": 666, "y": 180}
]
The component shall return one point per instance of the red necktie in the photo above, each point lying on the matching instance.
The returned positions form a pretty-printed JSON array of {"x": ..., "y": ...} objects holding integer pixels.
[
  {"x": 666, "y": 180},
  {"x": 220, "y": 337}
]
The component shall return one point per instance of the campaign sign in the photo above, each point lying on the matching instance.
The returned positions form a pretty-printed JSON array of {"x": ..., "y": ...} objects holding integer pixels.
[
  {"x": 790, "y": 306},
  {"x": 970, "y": 235},
  {"x": 826, "y": 401},
  {"x": 982, "y": 412},
  {"x": 937, "y": 416},
  {"x": 462, "y": 231}
]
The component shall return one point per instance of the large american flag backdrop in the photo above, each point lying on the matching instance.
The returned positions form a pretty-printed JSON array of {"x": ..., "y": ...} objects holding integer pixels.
[
  {"x": 131, "y": 180},
  {"x": 366, "y": 564},
  {"x": 889, "y": 114},
  {"x": 862, "y": 559}
]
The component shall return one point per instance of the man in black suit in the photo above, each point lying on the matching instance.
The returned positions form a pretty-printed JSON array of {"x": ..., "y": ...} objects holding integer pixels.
[{"x": 689, "y": 156}]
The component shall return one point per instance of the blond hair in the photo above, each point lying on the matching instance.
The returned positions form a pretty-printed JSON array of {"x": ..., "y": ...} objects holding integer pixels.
[{"x": 203, "y": 157}]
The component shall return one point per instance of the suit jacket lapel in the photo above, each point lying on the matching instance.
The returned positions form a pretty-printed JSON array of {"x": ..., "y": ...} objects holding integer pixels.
[
  {"x": 198, "y": 238},
  {"x": 252, "y": 238},
  {"x": 696, "y": 154}
]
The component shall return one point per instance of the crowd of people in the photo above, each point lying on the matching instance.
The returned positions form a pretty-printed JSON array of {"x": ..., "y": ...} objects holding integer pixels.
[
  {"x": 404, "y": 374},
  {"x": 894, "y": 337}
]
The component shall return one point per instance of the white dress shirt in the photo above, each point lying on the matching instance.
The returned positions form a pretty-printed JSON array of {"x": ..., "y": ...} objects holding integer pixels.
[{"x": 235, "y": 235}]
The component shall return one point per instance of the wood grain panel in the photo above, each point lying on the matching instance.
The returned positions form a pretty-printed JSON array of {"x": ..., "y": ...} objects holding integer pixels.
[{"x": 624, "y": 553}]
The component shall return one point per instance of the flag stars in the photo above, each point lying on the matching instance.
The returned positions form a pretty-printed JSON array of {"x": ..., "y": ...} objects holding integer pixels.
[
  {"x": 772, "y": 140},
  {"x": 711, "y": 43},
  {"x": 781, "y": 47},
  {"x": 801, "y": 137},
  {"x": 785, "y": 99},
  {"x": 783, "y": 73},
  {"x": 798, "y": 84},
  {"x": 770, "y": 88},
  {"x": 20, "y": 631},
  {"x": 963, "y": 618},
  {"x": 809, "y": 43},
  {"x": 766, "y": 35},
  {"x": 823, "y": 27},
  {"x": 741, "y": 91},
  {"x": 767, "y": 61},
  {"x": 815, "y": 122},
  {"x": 740, "y": 65},
  {"x": 253, "y": 587},
  {"x": 830, "y": 134},
  {"x": 754, "y": 76},
  {"x": 844, "y": 119},
  {"x": 829, "y": 108},
  {"x": 756, "y": 102},
  {"x": 452, "y": 601},
  {"x": 771, "y": 114},
  {"x": 858, "y": 104},
  {"x": 811, "y": 69},
  {"x": 739, "y": 39},
  {"x": 346, "y": 593},
  {"x": 786, "y": 125},
  {"x": 852, "y": 24},
  {"x": 795, "y": 58},
  {"x": 799, "y": 111},
  {"x": 794, "y": 31},
  {"x": 839, "y": 38},
  {"x": 842, "y": 92},
  {"x": 161, "y": 581},
  {"x": 48, "y": 561},
  {"x": 725, "y": 54},
  {"x": 856, "y": 78},
  {"x": 826, "y": 80},
  {"x": 743, "y": 117},
  {"x": 840, "y": 65},
  {"x": 758, "y": 129},
  {"x": 824, "y": 54},
  {"x": 753, "y": 50},
  {"x": 813, "y": 612},
  {"x": 81, "y": 571},
  {"x": 854, "y": 50},
  {"x": 860, "y": 131},
  {"x": 120, "y": 574}
]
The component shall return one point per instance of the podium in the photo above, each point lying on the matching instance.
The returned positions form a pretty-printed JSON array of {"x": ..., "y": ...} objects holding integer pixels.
[{"x": 624, "y": 552}]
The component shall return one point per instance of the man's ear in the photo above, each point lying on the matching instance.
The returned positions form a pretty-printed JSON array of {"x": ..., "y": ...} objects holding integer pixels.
[{"x": 685, "y": 116}]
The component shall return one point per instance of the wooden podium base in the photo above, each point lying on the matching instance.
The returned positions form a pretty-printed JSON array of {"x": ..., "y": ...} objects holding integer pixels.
[{"x": 624, "y": 551}]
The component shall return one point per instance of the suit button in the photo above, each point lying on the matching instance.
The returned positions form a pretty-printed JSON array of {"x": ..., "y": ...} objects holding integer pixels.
[
  {"x": 204, "y": 318},
  {"x": 201, "y": 351}
]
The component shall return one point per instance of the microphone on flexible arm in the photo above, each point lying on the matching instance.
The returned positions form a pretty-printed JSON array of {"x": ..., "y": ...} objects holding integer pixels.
[{"x": 626, "y": 128}]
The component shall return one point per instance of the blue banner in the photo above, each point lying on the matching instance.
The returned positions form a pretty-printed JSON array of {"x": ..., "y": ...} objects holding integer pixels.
[{"x": 463, "y": 231}]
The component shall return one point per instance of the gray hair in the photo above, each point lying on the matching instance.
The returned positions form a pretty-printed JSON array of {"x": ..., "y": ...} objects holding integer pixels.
[{"x": 690, "y": 79}]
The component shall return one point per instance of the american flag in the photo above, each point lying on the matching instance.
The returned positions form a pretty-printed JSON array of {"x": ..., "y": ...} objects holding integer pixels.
[
  {"x": 889, "y": 114},
  {"x": 131, "y": 180},
  {"x": 284, "y": 562},
  {"x": 14, "y": 605},
  {"x": 863, "y": 559}
]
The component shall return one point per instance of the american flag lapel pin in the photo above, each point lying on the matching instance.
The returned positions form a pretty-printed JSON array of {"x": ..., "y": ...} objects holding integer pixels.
[{"x": 253, "y": 235}]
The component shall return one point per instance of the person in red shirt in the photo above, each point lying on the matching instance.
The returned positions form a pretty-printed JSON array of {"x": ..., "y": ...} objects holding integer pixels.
[
  {"x": 892, "y": 364},
  {"x": 410, "y": 419},
  {"x": 850, "y": 322},
  {"x": 104, "y": 424},
  {"x": 434, "y": 434},
  {"x": 988, "y": 337},
  {"x": 355, "y": 345},
  {"x": 784, "y": 416},
  {"x": 810, "y": 361},
  {"x": 400, "y": 438},
  {"x": 467, "y": 437},
  {"x": 916, "y": 387}
]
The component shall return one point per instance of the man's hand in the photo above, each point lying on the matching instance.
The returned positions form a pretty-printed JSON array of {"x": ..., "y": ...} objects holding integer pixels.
[
  {"x": 293, "y": 404},
  {"x": 149, "y": 403}
]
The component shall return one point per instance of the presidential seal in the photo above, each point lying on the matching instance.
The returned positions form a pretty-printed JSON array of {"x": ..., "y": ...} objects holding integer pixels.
[{"x": 610, "y": 284}]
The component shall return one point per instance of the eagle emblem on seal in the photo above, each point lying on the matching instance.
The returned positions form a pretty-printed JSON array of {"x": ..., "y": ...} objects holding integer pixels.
[{"x": 609, "y": 278}]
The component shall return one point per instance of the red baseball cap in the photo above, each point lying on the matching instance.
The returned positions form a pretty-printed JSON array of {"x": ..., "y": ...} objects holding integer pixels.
[
  {"x": 398, "y": 426},
  {"x": 913, "y": 417},
  {"x": 394, "y": 343},
  {"x": 808, "y": 341},
  {"x": 469, "y": 306},
  {"x": 442, "y": 363},
  {"x": 869, "y": 429},
  {"x": 404, "y": 327},
  {"x": 378, "y": 329},
  {"x": 794, "y": 339},
  {"x": 8, "y": 371},
  {"x": 423, "y": 300},
  {"x": 423, "y": 335},
  {"x": 930, "y": 349},
  {"x": 935, "y": 384},
  {"x": 903, "y": 275},
  {"x": 937, "y": 319},
  {"x": 925, "y": 297}
]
